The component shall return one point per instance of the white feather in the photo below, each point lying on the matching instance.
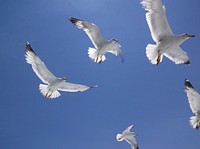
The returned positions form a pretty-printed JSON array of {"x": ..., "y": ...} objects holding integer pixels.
[
  {"x": 167, "y": 43},
  {"x": 52, "y": 83},
  {"x": 101, "y": 46}
]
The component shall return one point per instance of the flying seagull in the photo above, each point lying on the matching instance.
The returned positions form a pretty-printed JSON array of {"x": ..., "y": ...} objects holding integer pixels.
[
  {"x": 194, "y": 101},
  {"x": 51, "y": 83},
  {"x": 97, "y": 54},
  {"x": 129, "y": 137},
  {"x": 167, "y": 43}
]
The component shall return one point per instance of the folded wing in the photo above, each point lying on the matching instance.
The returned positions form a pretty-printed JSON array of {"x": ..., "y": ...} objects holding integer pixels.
[{"x": 116, "y": 50}]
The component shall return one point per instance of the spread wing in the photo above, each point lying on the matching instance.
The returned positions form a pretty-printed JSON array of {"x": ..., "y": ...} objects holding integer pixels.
[
  {"x": 177, "y": 55},
  {"x": 193, "y": 97},
  {"x": 38, "y": 65},
  {"x": 116, "y": 50},
  {"x": 156, "y": 19},
  {"x": 128, "y": 129},
  {"x": 91, "y": 30},
  {"x": 71, "y": 87},
  {"x": 132, "y": 141}
]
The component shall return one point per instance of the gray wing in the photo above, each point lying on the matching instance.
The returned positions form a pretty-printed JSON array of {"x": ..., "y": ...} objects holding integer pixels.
[
  {"x": 91, "y": 30},
  {"x": 156, "y": 19},
  {"x": 177, "y": 55},
  {"x": 38, "y": 65},
  {"x": 116, "y": 50},
  {"x": 71, "y": 87},
  {"x": 132, "y": 141},
  {"x": 128, "y": 129},
  {"x": 193, "y": 97}
]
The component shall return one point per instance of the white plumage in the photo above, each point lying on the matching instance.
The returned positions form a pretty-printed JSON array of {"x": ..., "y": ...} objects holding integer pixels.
[
  {"x": 129, "y": 137},
  {"x": 167, "y": 43},
  {"x": 194, "y": 101},
  {"x": 52, "y": 83},
  {"x": 97, "y": 54}
]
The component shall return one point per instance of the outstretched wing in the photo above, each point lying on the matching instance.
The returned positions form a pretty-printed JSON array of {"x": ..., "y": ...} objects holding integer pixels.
[
  {"x": 193, "y": 97},
  {"x": 116, "y": 50},
  {"x": 156, "y": 19},
  {"x": 131, "y": 140},
  {"x": 91, "y": 30},
  {"x": 128, "y": 129},
  {"x": 71, "y": 87},
  {"x": 38, "y": 65},
  {"x": 177, "y": 55}
]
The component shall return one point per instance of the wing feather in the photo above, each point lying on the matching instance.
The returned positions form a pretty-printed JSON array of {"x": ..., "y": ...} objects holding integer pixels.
[
  {"x": 91, "y": 30},
  {"x": 132, "y": 141},
  {"x": 116, "y": 50},
  {"x": 193, "y": 98},
  {"x": 156, "y": 19},
  {"x": 38, "y": 65},
  {"x": 177, "y": 55},
  {"x": 71, "y": 87}
]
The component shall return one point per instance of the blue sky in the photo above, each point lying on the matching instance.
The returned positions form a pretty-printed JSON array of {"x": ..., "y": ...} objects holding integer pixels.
[{"x": 133, "y": 92}]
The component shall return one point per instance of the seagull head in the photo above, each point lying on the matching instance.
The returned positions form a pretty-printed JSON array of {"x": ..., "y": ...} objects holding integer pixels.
[
  {"x": 188, "y": 35},
  {"x": 119, "y": 137}
]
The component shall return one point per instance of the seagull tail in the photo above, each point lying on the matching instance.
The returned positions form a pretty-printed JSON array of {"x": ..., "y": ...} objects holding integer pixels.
[
  {"x": 94, "y": 55},
  {"x": 44, "y": 89},
  {"x": 152, "y": 54},
  {"x": 195, "y": 121}
]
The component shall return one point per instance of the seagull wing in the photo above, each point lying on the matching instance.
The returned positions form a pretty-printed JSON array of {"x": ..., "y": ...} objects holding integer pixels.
[
  {"x": 193, "y": 98},
  {"x": 156, "y": 19},
  {"x": 71, "y": 87},
  {"x": 177, "y": 55},
  {"x": 38, "y": 65},
  {"x": 91, "y": 30},
  {"x": 128, "y": 129},
  {"x": 132, "y": 141},
  {"x": 116, "y": 50}
]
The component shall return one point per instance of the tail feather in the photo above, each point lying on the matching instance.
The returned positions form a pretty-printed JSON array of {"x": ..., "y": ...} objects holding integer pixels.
[
  {"x": 195, "y": 121},
  {"x": 44, "y": 89},
  {"x": 94, "y": 55},
  {"x": 152, "y": 54}
]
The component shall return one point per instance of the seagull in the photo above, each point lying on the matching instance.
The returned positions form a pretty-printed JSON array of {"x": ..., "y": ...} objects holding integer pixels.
[
  {"x": 129, "y": 137},
  {"x": 51, "y": 83},
  {"x": 194, "y": 101},
  {"x": 167, "y": 43},
  {"x": 97, "y": 54}
]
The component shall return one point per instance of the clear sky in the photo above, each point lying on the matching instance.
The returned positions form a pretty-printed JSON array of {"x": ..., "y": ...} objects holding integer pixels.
[{"x": 134, "y": 92}]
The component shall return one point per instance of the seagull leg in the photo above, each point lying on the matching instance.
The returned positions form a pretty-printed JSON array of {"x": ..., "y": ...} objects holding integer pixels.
[{"x": 158, "y": 59}]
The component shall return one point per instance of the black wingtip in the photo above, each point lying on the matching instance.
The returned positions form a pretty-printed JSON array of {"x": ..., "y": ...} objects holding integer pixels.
[
  {"x": 73, "y": 20},
  {"x": 28, "y": 47},
  {"x": 188, "y": 84},
  {"x": 187, "y": 63}
]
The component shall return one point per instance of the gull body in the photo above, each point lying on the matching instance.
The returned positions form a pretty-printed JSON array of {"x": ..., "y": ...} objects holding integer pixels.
[
  {"x": 167, "y": 43},
  {"x": 102, "y": 46},
  {"x": 194, "y": 101},
  {"x": 129, "y": 137},
  {"x": 52, "y": 84}
]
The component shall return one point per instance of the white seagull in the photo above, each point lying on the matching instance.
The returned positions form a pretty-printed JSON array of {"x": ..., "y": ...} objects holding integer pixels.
[
  {"x": 52, "y": 83},
  {"x": 129, "y": 137},
  {"x": 167, "y": 43},
  {"x": 97, "y": 54},
  {"x": 194, "y": 101}
]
